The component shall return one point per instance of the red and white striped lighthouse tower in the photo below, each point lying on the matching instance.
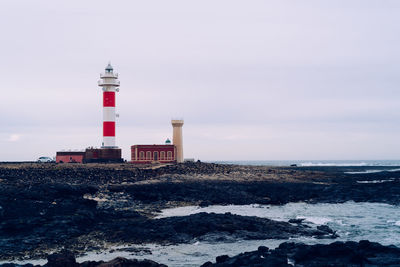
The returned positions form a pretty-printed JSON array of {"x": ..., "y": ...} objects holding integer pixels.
[{"x": 110, "y": 85}]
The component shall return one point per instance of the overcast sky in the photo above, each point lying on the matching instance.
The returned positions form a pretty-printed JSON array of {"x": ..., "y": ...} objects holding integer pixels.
[{"x": 253, "y": 80}]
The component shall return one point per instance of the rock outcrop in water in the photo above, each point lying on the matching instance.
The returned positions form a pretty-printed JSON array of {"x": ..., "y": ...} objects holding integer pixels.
[
  {"x": 210, "y": 227},
  {"x": 129, "y": 227}
]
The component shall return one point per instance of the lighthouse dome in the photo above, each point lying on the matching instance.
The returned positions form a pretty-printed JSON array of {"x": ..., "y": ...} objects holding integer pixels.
[{"x": 109, "y": 68}]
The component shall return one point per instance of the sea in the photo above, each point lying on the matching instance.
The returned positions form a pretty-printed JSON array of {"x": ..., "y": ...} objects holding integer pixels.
[
  {"x": 316, "y": 163},
  {"x": 377, "y": 222}
]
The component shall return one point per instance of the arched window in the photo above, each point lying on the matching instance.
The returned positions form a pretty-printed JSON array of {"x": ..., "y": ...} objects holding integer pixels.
[
  {"x": 169, "y": 155},
  {"x": 148, "y": 155},
  {"x": 155, "y": 155},
  {"x": 162, "y": 155},
  {"x": 141, "y": 155}
]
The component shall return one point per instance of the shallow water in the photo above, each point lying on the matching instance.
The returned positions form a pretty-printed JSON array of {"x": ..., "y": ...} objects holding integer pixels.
[
  {"x": 377, "y": 222},
  {"x": 353, "y": 221}
]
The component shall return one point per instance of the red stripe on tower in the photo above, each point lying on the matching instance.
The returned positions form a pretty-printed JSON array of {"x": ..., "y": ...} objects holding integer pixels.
[
  {"x": 109, "y": 99},
  {"x": 108, "y": 128}
]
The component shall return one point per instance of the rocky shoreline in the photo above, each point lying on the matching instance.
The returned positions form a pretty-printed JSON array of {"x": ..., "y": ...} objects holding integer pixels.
[
  {"x": 363, "y": 253},
  {"x": 49, "y": 207},
  {"x": 351, "y": 254}
]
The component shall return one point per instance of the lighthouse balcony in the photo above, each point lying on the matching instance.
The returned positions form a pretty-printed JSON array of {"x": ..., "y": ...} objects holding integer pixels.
[
  {"x": 109, "y": 75},
  {"x": 105, "y": 83}
]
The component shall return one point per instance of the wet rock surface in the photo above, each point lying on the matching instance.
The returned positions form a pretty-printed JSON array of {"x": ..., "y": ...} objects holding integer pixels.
[
  {"x": 46, "y": 207},
  {"x": 203, "y": 226},
  {"x": 363, "y": 253}
]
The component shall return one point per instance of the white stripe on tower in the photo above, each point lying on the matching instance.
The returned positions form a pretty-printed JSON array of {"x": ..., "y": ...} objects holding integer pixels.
[
  {"x": 109, "y": 141},
  {"x": 108, "y": 113}
]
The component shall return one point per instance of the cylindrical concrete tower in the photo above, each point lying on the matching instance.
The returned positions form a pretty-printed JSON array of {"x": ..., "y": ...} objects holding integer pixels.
[
  {"x": 177, "y": 139},
  {"x": 110, "y": 85}
]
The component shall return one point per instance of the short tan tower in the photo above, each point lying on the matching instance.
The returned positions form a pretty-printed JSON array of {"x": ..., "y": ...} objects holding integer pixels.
[{"x": 177, "y": 139}]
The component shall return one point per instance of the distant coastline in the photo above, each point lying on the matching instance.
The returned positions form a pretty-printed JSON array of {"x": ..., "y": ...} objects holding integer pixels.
[{"x": 311, "y": 163}]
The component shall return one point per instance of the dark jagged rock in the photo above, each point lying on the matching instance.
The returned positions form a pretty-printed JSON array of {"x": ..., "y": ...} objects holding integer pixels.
[
  {"x": 296, "y": 221},
  {"x": 122, "y": 262},
  {"x": 326, "y": 228},
  {"x": 363, "y": 253},
  {"x": 63, "y": 259},
  {"x": 221, "y": 259}
]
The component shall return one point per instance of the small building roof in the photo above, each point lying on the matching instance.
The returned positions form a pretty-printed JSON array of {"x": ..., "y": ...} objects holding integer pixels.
[
  {"x": 67, "y": 153},
  {"x": 154, "y": 146}
]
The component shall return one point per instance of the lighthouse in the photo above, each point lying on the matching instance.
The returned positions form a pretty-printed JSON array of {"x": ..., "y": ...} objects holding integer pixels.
[
  {"x": 109, "y": 83},
  {"x": 177, "y": 139},
  {"x": 108, "y": 152}
]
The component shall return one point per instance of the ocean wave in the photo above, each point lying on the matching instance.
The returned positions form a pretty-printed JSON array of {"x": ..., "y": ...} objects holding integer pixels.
[
  {"x": 376, "y": 181},
  {"x": 315, "y": 220},
  {"x": 373, "y": 171}
]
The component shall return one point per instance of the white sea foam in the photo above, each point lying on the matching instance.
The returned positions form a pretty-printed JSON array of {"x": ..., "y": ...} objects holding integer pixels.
[
  {"x": 340, "y": 222},
  {"x": 315, "y": 220},
  {"x": 22, "y": 262},
  {"x": 365, "y": 172},
  {"x": 376, "y": 181}
]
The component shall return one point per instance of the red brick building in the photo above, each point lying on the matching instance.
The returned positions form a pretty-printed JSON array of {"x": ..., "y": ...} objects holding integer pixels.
[
  {"x": 147, "y": 154},
  {"x": 70, "y": 157},
  {"x": 90, "y": 155}
]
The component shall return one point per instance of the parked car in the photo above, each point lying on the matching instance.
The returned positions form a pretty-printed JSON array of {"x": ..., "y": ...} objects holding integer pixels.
[{"x": 45, "y": 159}]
